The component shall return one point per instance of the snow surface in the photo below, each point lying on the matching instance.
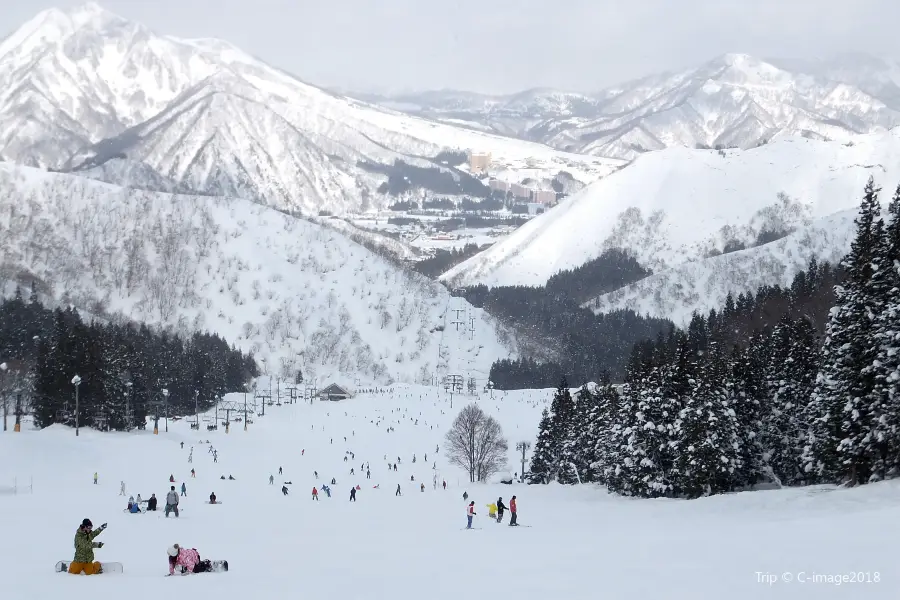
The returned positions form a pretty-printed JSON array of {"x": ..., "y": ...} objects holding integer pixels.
[
  {"x": 297, "y": 294},
  {"x": 582, "y": 543},
  {"x": 678, "y": 205}
]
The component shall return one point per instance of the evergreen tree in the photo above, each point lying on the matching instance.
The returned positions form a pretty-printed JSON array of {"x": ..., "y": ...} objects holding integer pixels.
[
  {"x": 791, "y": 372},
  {"x": 842, "y": 403},
  {"x": 542, "y": 458}
]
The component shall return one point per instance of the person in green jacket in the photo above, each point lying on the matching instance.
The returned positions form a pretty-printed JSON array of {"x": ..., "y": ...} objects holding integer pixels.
[{"x": 84, "y": 549}]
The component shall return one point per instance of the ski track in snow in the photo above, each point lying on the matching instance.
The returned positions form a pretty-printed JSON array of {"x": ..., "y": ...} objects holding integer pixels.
[{"x": 583, "y": 543}]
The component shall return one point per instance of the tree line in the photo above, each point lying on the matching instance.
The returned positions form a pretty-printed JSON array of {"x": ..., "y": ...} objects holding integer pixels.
[
  {"x": 118, "y": 365},
  {"x": 726, "y": 405}
]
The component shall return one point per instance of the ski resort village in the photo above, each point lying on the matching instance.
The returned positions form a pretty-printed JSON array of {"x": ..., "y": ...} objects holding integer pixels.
[{"x": 298, "y": 315}]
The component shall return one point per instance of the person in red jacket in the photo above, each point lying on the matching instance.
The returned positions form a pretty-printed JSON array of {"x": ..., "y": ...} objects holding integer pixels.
[
  {"x": 315, "y": 495},
  {"x": 512, "y": 512}
]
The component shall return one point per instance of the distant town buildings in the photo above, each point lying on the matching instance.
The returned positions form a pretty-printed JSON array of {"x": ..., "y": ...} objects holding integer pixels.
[
  {"x": 545, "y": 197},
  {"x": 479, "y": 162}
]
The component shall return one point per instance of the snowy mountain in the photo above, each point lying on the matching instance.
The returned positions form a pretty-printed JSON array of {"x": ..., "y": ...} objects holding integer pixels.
[
  {"x": 83, "y": 87},
  {"x": 296, "y": 294},
  {"x": 734, "y": 100},
  {"x": 679, "y": 205}
]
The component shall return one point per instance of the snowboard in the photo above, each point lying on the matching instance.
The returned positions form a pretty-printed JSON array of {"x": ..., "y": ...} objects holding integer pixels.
[
  {"x": 108, "y": 567},
  {"x": 218, "y": 566},
  {"x": 216, "y": 502}
]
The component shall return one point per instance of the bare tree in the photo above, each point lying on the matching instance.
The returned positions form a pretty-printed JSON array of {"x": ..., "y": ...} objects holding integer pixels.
[{"x": 475, "y": 442}]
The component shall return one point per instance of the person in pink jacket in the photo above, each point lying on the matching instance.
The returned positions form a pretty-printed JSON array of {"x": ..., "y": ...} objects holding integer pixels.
[{"x": 186, "y": 558}]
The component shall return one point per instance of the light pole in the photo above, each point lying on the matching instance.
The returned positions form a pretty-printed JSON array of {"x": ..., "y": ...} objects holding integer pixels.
[
  {"x": 3, "y": 369},
  {"x": 165, "y": 394},
  {"x": 76, "y": 381},
  {"x": 128, "y": 419}
]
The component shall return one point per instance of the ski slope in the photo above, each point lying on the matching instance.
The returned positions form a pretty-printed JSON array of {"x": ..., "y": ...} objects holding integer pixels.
[{"x": 582, "y": 543}]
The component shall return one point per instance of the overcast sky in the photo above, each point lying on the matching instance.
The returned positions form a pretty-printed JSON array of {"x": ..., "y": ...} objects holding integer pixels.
[{"x": 506, "y": 45}]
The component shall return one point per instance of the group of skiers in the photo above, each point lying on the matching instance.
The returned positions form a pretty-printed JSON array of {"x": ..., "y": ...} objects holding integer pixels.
[{"x": 495, "y": 511}]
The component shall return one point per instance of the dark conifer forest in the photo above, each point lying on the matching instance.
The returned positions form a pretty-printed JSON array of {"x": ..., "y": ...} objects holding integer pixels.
[
  {"x": 785, "y": 387},
  {"x": 119, "y": 366}
]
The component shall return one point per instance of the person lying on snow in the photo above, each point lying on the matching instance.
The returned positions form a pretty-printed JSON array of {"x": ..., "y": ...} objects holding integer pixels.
[{"x": 187, "y": 560}]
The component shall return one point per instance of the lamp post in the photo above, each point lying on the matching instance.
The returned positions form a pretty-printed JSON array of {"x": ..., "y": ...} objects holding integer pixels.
[
  {"x": 165, "y": 394},
  {"x": 128, "y": 385},
  {"x": 3, "y": 369},
  {"x": 76, "y": 381}
]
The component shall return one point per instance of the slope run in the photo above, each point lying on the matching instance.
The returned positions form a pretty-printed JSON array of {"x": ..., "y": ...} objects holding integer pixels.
[
  {"x": 678, "y": 292},
  {"x": 277, "y": 544},
  {"x": 680, "y": 204},
  {"x": 298, "y": 295}
]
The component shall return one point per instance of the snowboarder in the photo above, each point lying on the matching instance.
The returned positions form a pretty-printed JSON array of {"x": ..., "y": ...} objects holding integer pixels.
[
  {"x": 445, "y": 484},
  {"x": 171, "y": 479},
  {"x": 212, "y": 498},
  {"x": 151, "y": 503},
  {"x": 130, "y": 502},
  {"x": 279, "y": 470},
  {"x": 500, "y": 508},
  {"x": 422, "y": 485},
  {"x": 187, "y": 559},
  {"x": 172, "y": 502},
  {"x": 84, "y": 549},
  {"x": 122, "y": 488},
  {"x": 95, "y": 478},
  {"x": 315, "y": 495},
  {"x": 183, "y": 489},
  {"x": 352, "y": 494},
  {"x": 284, "y": 490},
  {"x": 139, "y": 500},
  {"x": 327, "y": 490},
  {"x": 316, "y": 473},
  {"x": 182, "y": 445},
  {"x": 512, "y": 512},
  {"x": 465, "y": 496},
  {"x": 271, "y": 479},
  {"x": 397, "y": 493},
  {"x": 470, "y": 513},
  {"x": 193, "y": 474}
]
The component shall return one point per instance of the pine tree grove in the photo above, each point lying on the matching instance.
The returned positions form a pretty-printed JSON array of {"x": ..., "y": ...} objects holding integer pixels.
[{"x": 774, "y": 389}]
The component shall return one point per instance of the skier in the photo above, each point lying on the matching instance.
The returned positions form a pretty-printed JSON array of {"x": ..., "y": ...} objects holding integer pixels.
[
  {"x": 212, "y": 498},
  {"x": 470, "y": 513},
  {"x": 512, "y": 512},
  {"x": 188, "y": 560},
  {"x": 84, "y": 550},
  {"x": 445, "y": 484},
  {"x": 95, "y": 478},
  {"x": 182, "y": 445},
  {"x": 193, "y": 474},
  {"x": 122, "y": 488},
  {"x": 500, "y": 508},
  {"x": 352, "y": 494},
  {"x": 183, "y": 489},
  {"x": 368, "y": 474},
  {"x": 327, "y": 490},
  {"x": 284, "y": 490},
  {"x": 172, "y": 502},
  {"x": 279, "y": 470},
  {"x": 422, "y": 486},
  {"x": 316, "y": 473},
  {"x": 397, "y": 493},
  {"x": 151, "y": 503},
  {"x": 465, "y": 496},
  {"x": 271, "y": 479},
  {"x": 315, "y": 495}
]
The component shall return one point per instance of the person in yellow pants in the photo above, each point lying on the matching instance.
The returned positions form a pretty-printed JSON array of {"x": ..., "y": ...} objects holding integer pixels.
[{"x": 84, "y": 549}]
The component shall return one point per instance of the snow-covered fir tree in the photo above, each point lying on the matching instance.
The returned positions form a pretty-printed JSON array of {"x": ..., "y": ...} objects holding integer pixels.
[
  {"x": 542, "y": 456},
  {"x": 843, "y": 403},
  {"x": 790, "y": 376}
]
